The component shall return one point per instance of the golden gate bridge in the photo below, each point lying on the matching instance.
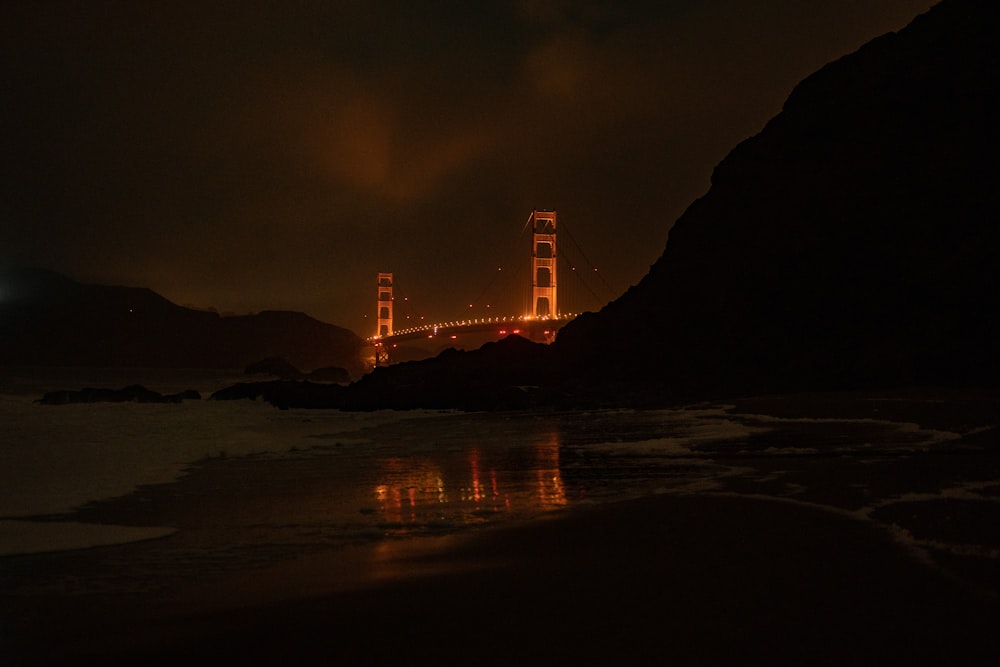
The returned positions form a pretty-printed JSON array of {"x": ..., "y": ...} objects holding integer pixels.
[{"x": 538, "y": 322}]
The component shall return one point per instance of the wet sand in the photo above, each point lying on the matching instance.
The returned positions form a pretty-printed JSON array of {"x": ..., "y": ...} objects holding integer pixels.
[
  {"x": 671, "y": 579},
  {"x": 716, "y": 578}
]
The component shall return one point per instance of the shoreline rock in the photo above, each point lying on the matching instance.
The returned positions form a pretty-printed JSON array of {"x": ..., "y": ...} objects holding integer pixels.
[{"x": 135, "y": 393}]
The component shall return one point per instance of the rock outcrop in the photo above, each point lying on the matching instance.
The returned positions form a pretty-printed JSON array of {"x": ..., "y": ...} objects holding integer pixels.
[
  {"x": 283, "y": 370},
  {"x": 333, "y": 374},
  {"x": 500, "y": 375},
  {"x": 276, "y": 366},
  {"x": 135, "y": 393}
]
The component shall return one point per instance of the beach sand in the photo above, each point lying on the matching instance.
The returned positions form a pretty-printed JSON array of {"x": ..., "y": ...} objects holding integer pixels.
[
  {"x": 709, "y": 578},
  {"x": 688, "y": 580}
]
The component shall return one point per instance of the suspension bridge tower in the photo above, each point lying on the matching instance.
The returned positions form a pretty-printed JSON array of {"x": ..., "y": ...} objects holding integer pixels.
[
  {"x": 543, "y": 264},
  {"x": 384, "y": 305}
]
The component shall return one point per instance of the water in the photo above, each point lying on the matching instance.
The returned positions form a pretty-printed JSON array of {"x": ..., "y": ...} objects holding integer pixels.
[
  {"x": 342, "y": 475},
  {"x": 232, "y": 485},
  {"x": 57, "y": 459}
]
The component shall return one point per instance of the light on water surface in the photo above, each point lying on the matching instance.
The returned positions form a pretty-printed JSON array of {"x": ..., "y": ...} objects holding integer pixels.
[{"x": 437, "y": 491}]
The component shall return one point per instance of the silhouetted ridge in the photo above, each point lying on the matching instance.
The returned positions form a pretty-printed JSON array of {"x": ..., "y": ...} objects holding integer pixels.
[{"x": 48, "y": 319}]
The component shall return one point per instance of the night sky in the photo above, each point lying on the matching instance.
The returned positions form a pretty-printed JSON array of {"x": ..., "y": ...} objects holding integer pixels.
[{"x": 276, "y": 155}]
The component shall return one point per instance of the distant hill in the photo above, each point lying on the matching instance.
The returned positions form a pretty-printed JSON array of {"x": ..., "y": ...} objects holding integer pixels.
[
  {"x": 48, "y": 319},
  {"x": 854, "y": 242}
]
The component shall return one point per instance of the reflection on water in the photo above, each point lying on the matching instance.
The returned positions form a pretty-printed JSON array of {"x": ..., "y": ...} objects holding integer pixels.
[
  {"x": 441, "y": 491},
  {"x": 551, "y": 493},
  {"x": 331, "y": 480}
]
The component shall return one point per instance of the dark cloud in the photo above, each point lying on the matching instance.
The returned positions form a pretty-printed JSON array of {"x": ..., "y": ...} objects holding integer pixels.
[{"x": 277, "y": 155}]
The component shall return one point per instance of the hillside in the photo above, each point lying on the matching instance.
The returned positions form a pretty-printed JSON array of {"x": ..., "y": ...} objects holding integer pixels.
[
  {"x": 50, "y": 320},
  {"x": 853, "y": 242}
]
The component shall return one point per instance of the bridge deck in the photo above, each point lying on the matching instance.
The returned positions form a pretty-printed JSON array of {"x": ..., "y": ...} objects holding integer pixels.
[{"x": 430, "y": 340}]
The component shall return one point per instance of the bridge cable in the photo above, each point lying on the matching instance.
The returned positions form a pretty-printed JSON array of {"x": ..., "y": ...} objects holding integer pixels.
[
  {"x": 509, "y": 253},
  {"x": 402, "y": 305},
  {"x": 600, "y": 276},
  {"x": 597, "y": 299}
]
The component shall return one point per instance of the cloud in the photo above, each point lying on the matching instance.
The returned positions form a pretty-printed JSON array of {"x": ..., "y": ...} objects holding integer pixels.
[
  {"x": 559, "y": 67},
  {"x": 360, "y": 148}
]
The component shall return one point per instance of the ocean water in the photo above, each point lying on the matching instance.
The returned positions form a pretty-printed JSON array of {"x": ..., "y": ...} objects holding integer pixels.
[
  {"x": 58, "y": 459},
  {"x": 372, "y": 474},
  {"x": 236, "y": 484}
]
